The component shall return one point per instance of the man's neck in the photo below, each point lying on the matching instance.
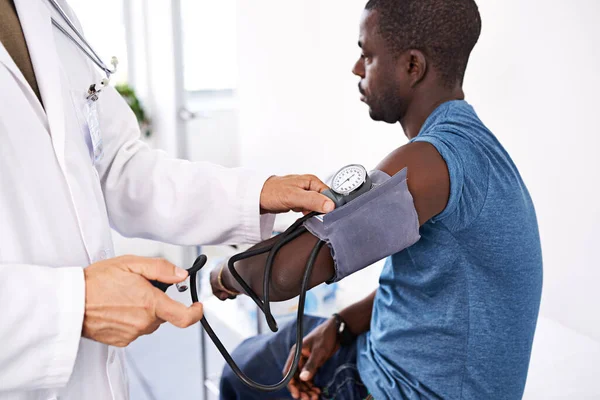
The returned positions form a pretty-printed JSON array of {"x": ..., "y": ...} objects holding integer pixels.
[{"x": 421, "y": 108}]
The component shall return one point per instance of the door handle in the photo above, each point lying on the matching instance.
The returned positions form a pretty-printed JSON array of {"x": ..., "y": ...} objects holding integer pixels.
[{"x": 187, "y": 115}]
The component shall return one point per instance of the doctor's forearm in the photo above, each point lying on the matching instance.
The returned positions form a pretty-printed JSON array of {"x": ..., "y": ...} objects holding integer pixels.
[{"x": 288, "y": 269}]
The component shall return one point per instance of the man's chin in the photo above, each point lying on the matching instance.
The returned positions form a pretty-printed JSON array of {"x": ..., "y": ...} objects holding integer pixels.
[
  {"x": 379, "y": 117},
  {"x": 374, "y": 115}
]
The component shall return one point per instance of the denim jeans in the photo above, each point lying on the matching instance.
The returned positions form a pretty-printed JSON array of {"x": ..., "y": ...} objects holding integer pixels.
[{"x": 263, "y": 357}]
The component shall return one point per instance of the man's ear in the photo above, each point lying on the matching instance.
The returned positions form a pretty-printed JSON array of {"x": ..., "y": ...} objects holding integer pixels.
[{"x": 416, "y": 66}]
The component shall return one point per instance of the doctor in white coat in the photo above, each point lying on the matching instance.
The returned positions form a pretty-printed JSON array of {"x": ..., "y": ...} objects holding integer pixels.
[{"x": 68, "y": 306}]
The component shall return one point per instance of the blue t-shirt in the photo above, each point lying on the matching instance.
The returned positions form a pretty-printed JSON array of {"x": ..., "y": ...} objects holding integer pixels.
[{"x": 455, "y": 314}]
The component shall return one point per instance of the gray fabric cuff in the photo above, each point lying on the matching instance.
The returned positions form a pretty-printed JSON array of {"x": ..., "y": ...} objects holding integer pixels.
[{"x": 373, "y": 226}]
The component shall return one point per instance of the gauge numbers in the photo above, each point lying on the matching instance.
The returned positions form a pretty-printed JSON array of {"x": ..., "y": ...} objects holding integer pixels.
[{"x": 348, "y": 179}]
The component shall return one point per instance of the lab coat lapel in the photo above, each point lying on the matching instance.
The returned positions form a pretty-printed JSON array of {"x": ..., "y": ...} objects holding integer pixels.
[
  {"x": 7, "y": 60},
  {"x": 38, "y": 30}
]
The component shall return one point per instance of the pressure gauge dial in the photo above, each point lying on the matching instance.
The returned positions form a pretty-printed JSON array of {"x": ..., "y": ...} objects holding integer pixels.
[
  {"x": 348, "y": 179},
  {"x": 348, "y": 183}
]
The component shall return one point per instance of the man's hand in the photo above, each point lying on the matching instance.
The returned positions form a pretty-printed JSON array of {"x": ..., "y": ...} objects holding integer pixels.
[
  {"x": 218, "y": 286},
  {"x": 299, "y": 193},
  {"x": 318, "y": 347},
  {"x": 121, "y": 304}
]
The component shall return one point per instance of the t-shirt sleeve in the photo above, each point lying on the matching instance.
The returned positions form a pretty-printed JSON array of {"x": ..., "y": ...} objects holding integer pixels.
[{"x": 468, "y": 169}]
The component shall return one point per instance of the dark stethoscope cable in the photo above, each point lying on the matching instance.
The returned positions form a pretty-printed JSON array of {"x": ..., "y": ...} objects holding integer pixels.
[{"x": 290, "y": 234}]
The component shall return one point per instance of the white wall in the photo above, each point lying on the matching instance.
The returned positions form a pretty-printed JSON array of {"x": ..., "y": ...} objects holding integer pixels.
[
  {"x": 534, "y": 78},
  {"x": 299, "y": 108}
]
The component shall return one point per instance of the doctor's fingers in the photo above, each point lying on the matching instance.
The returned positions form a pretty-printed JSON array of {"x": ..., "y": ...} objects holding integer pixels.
[
  {"x": 154, "y": 269},
  {"x": 176, "y": 313},
  {"x": 301, "y": 200},
  {"x": 294, "y": 192},
  {"x": 313, "y": 183},
  {"x": 307, "y": 194}
]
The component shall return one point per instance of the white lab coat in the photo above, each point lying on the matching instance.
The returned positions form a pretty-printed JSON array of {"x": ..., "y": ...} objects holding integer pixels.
[{"x": 56, "y": 208}]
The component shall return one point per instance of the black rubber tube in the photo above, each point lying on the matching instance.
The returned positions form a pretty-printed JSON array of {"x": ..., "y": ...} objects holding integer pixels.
[
  {"x": 251, "y": 253},
  {"x": 269, "y": 266},
  {"x": 291, "y": 233},
  {"x": 299, "y": 325}
]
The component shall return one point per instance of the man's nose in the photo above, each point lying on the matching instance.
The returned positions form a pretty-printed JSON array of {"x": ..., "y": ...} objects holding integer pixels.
[{"x": 358, "y": 69}]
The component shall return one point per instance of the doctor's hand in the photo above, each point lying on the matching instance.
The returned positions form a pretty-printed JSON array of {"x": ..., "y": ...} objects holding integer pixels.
[
  {"x": 300, "y": 193},
  {"x": 121, "y": 304}
]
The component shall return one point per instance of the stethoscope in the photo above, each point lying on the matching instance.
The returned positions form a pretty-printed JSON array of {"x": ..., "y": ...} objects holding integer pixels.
[
  {"x": 95, "y": 88},
  {"x": 290, "y": 234},
  {"x": 347, "y": 184}
]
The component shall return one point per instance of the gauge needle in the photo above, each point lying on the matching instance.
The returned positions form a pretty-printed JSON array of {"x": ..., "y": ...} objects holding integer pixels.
[{"x": 346, "y": 180}]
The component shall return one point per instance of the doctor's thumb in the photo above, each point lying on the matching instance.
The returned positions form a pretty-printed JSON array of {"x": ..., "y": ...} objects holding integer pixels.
[
  {"x": 156, "y": 269},
  {"x": 314, "y": 201}
]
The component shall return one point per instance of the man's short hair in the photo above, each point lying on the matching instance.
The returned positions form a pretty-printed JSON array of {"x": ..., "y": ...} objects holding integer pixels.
[{"x": 446, "y": 31}]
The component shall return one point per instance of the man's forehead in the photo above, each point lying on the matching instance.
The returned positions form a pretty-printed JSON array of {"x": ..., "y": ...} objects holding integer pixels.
[{"x": 368, "y": 26}]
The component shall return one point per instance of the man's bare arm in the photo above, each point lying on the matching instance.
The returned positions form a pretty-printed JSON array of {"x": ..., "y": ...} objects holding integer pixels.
[
  {"x": 358, "y": 315},
  {"x": 288, "y": 268},
  {"x": 429, "y": 185}
]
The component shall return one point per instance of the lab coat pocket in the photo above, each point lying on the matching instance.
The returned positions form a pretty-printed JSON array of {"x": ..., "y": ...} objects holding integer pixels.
[{"x": 79, "y": 106}]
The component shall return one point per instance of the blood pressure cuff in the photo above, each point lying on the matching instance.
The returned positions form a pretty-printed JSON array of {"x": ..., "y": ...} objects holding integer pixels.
[{"x": 375, "y": 225}]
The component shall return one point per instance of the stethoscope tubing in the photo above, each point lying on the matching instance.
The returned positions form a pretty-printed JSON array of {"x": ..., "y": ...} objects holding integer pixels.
[{"x": 89, "y": 52}]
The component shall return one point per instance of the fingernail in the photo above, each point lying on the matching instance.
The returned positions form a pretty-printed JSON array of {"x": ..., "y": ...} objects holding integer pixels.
[
  {"x": 304, "y": 375},
  {"x": 181, "y": 273},
  {"x": 329, "y": 206}
]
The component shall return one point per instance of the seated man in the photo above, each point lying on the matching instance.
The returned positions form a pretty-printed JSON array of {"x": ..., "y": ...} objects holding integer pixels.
[{"x": 455, "y": 313}]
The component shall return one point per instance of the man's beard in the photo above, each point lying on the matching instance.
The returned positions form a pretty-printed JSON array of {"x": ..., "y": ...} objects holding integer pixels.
[{"x": 384, "y": 108}]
